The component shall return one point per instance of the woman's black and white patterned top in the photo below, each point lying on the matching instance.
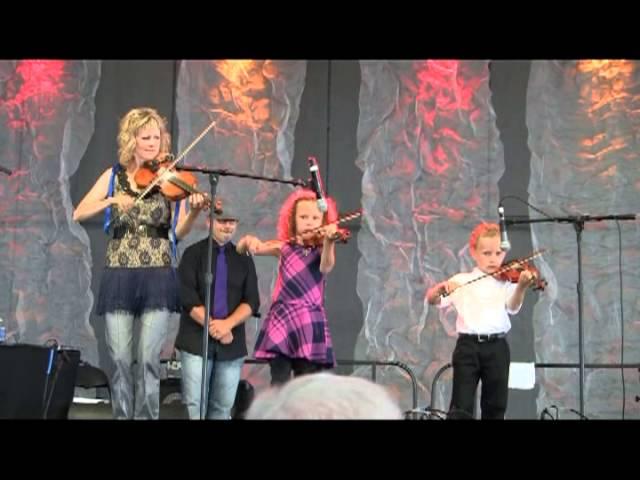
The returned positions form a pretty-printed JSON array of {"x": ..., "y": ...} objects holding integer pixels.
[{"x": 136, "y": 248}]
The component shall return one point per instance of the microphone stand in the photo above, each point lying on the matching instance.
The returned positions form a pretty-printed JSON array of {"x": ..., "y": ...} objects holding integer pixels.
[
  {"x": 214, "y": 175},
  {"x": 578, "y": 222}
]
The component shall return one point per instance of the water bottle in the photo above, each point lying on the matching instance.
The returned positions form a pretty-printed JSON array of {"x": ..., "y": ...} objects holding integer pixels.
[{"x": 3, "y": 331}]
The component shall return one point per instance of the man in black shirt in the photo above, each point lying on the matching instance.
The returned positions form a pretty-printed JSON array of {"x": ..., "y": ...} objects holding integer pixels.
[{"x": 234, "y": 298}]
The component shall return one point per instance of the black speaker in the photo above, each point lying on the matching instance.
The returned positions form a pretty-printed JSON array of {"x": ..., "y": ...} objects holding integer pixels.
[{"x": 36, "y": 381}]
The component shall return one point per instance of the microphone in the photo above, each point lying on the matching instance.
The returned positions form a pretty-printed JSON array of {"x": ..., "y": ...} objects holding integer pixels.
[
  {"x": 505, "y": 244},
  {"x": 316, "y": 184},
  {"x": 5, "y": 170}
]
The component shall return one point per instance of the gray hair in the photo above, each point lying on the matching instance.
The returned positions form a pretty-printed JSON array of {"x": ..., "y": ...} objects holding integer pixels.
[{"x": 325, "y": 396}]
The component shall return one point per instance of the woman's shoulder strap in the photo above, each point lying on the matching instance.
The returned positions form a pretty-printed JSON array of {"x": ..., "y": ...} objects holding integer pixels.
[{"x": 112, "y": 180}]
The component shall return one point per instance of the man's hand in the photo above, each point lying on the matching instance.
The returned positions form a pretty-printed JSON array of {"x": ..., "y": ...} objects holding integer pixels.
[{"x": 219, "y": 328}]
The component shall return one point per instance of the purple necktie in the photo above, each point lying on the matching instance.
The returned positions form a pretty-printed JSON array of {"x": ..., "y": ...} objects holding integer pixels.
[{"x": 220, "y": 310}]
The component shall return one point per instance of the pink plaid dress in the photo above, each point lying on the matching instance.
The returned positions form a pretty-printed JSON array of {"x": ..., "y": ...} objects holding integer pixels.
[{"x": 296, "y": 325}]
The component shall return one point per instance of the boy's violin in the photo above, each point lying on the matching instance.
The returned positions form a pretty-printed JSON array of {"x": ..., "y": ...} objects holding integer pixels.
[{"x": 510, "y": 272}]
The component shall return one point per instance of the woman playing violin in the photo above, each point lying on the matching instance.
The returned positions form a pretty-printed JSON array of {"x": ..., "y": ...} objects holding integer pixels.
[{"x": 139, "y": 282}]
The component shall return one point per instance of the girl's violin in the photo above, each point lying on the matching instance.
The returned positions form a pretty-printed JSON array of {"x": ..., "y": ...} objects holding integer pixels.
[{"x": 342, "y": 235}]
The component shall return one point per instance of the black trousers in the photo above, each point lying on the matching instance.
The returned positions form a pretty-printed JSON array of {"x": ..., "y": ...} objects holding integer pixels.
[
  {"x": 487, "y": 361},
  {"x": 281, "y": 368}
]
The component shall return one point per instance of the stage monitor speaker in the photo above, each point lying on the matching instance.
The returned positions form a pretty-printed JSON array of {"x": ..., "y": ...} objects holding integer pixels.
[{"x": 36, "y": 381}]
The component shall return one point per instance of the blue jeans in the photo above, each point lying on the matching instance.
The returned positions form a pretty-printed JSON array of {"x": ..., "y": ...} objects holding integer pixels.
[
  {"x": 136, "y": 393},
  {"x": 222, "y": 382}
]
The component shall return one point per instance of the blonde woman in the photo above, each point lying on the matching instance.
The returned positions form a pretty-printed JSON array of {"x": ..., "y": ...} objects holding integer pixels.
[{"x": 139, "y": 283}]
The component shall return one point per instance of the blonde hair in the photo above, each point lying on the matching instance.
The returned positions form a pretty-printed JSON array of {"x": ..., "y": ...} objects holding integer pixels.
[
  {"x": 483, "y": 230},
  {"x": 135, "y": 120}
]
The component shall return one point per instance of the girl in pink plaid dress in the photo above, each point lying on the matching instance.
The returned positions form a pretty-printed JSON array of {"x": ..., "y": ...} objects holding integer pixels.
[{"x": 295, "y": 334}]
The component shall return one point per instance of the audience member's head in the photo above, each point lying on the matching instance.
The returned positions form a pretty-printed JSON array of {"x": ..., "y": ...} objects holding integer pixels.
[{"x": 327, "y": 396}]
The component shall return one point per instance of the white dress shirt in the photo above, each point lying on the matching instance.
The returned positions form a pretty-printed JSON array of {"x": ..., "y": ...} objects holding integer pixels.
[{"x": 482, "y": 305}]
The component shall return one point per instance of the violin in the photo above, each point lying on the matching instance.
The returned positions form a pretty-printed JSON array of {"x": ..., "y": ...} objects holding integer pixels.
[
  {"x": 510, "y": 272},
  {"x": 342, "y": 235},
  {"x": 174, "y": 185}
]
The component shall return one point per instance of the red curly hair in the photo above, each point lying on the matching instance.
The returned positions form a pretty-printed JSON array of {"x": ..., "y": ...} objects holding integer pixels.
[
  {"x": 483, "y": 230},
  {"x": 286, "y": 219}
]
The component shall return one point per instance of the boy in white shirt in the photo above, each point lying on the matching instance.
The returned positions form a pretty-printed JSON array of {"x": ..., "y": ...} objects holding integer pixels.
[{"x": 483, "y": 306}]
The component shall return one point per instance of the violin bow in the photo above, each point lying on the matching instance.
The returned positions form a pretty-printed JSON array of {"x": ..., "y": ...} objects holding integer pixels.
[{"x": 509, "y": 266}]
